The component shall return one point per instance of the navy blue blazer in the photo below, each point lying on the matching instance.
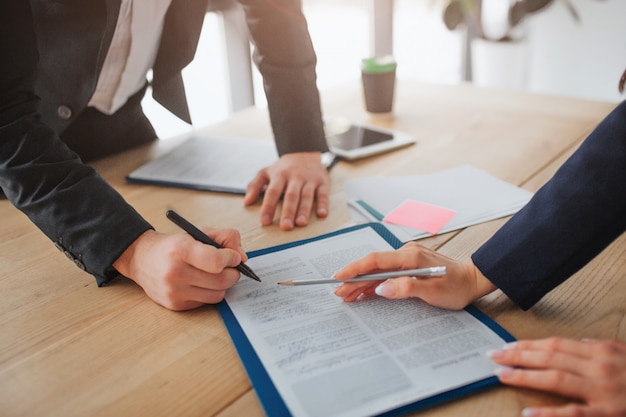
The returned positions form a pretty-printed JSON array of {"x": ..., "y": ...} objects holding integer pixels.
[
  {"x": 52, "y": 52},
  {"x": 569, "y": 221}
]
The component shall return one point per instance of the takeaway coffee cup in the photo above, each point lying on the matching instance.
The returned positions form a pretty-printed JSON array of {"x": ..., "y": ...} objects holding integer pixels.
[{"x": 379, "y": 79}]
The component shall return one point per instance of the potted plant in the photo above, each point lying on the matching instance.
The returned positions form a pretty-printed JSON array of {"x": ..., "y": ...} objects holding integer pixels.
[
  {"x": 496, "y": 20},
  {"x": 496, "y": 46}
]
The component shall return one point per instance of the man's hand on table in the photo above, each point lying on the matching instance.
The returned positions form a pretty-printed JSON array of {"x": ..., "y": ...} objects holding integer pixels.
[{"x": 300, "y": 180}]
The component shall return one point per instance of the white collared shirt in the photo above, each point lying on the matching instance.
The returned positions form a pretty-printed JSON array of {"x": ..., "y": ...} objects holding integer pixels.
[{"x": 132, "y": 53}]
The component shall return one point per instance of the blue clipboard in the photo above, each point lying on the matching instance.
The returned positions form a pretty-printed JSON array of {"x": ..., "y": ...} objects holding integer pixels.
[{"x": 267, "y": 393}]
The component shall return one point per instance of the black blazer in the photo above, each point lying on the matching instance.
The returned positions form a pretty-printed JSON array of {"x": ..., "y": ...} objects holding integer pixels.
[
  {"x": 73, "y": 38},
  {"x": 55, "y": 49},
  {"x": 570, "y": 220}
]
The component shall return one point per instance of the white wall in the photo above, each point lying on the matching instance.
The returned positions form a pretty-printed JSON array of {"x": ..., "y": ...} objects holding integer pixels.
[
  {"x": 583, "y": 59},
  {"x": 567, "y": 58}
]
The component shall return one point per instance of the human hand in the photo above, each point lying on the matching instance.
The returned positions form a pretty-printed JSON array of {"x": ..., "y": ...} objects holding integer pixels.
[
  {"x": 300, "y": 178},
  {"x": 179, "y": 272},
  {"x": 462, "y": 284},
  {"x": 590, "y": 371}
]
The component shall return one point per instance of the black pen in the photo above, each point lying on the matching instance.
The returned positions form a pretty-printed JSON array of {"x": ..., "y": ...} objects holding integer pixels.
[{"x": 202, "y": 237}]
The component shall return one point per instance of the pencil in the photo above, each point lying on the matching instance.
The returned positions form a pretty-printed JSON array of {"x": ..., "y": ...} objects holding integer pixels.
[
  {"x": 421, "y": 272},
  {"x": 202, "y": 237}
]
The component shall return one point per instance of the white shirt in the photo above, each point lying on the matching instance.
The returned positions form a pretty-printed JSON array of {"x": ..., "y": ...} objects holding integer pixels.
[{"x": 132, "y": 53}]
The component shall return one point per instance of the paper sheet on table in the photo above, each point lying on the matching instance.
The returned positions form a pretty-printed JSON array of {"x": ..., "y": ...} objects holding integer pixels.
[
  {"x": 328, "y": 358},
  {"x": 475, "y": 195},
  {"x": 209, "y": 163}
]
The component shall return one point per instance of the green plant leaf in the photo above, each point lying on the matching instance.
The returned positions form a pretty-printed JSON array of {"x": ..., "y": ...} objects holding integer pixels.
[
  {"x": 572, "y": 10},
  {"x": 533, "y": 6},
  {"x": 453, "y": 15},
  {"x": 517, "y": 12}
]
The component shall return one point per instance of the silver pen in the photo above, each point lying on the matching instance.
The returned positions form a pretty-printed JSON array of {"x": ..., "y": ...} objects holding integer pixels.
[{"x": 432, "y": 271}]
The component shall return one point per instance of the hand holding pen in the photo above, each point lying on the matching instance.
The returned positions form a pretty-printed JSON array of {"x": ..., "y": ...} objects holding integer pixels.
[
  {"x": 180, "y": 273},
  {"x": 202, "y": 237}
]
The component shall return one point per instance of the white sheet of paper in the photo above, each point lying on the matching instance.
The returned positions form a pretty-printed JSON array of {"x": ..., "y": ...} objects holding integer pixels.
[
  {"x": 328, "y": 358},
  {"x": 475, "y": 195},
  {"x": 209, "y": 163}
]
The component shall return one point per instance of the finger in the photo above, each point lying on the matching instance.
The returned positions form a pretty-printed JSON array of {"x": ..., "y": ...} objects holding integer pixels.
[
  {"x": 569, "y": 410},
  {"x": 369, "y": 290},
  {"x": 361, "y": 266},
  {"x": 376, "y": 262},
  {"x": 255, "y": 187},
  {"x": 228, "y": 238},
  {"x": 307, "y": 195},
  {"x": 192, "y": 297},
  {"x": 178, "y": 305},
  {"x": 595, "y": 347},
  {"x": 555, "y": 381},
  {"x": 185, "y": 287},
  {"x": 577, "y": 348},
  {"x": 323, "y": 200},
  {"x": 351, "y": 292},
  {"x": 273, "y": 193},
  {"x": 435, "y": 291},
  {"x": 215, "y": 282},
  {"x": 291, "y": 200},
  {"x": 206, "y": 296},
  {"x": 371, "y": 263},
  {"x": 398, "y": 288},
  {"x": 207, "y": 258},
  {"x": 192, "y": 277},
  {"x": 541, "y": 359}
]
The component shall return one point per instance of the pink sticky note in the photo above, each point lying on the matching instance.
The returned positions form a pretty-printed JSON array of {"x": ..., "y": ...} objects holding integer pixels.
[{"x": 422, "y": 216}]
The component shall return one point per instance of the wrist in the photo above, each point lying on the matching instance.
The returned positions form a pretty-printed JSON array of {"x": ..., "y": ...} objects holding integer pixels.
[
  {"x": 482, "y": 285},
  {"x": 124, "y": 264}
]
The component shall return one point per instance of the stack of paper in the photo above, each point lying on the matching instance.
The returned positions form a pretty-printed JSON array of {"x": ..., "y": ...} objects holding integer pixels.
[
  {"x": 473, "y": 194},
  {"x": 209, "y": 163}
]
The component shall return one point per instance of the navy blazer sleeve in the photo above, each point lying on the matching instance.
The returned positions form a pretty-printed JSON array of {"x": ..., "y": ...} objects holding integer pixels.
[
  {"x": 68, "y": 201},
  {"x": 286, "y": 59},
  {"x": 569, "y": 221}
]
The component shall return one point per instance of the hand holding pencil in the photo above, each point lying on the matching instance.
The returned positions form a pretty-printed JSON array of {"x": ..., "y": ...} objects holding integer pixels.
[{"x": 461, "y": 284}]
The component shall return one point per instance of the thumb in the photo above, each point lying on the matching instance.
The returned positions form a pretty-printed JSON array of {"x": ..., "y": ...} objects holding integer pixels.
[
  {"x": 230, "y": 257},
  {"x": 255, "y": 188},
  {"x": 395, "y": 288}
]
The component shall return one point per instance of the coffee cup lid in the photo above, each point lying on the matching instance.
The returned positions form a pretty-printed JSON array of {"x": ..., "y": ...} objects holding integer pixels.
[{"x": 374, "y": 65}]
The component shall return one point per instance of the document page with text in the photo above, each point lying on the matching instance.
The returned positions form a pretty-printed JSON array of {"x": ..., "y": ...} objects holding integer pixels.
[
  {"x": 208, "y": 163},
  {"x": 331, "y": 358}
]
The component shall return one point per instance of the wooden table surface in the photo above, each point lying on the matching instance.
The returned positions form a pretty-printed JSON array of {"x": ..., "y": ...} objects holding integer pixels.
[{"x": 69, "y": 348}]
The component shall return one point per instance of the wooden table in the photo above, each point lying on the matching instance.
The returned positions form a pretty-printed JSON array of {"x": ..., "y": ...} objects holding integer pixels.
[{"x": 69, "y": 348}]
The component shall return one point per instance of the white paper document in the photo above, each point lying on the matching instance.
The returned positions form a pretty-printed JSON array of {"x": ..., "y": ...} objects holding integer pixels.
[
  {"x": 475, "y": 195},
  {"x": 328, "y": 358},
  {"x": 209, "y": 163}
]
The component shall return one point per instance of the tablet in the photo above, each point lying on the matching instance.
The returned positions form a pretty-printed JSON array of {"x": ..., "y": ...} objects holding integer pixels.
[{"x": 351, "y": 140}]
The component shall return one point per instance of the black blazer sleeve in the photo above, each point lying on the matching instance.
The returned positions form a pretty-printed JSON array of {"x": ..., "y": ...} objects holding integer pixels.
[
  {"x": 285, "y": 57},
  {"x": 68, "y": 201},
  {"x": 570, "y": 220}
]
